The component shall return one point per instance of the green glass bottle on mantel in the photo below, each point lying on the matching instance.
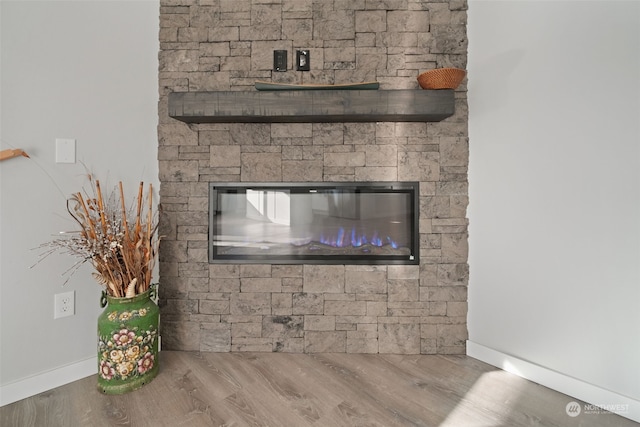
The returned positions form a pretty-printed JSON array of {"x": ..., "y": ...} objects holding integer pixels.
[{"x": 127, "y": 342}]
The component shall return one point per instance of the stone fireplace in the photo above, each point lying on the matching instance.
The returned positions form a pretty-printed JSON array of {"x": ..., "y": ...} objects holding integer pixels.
[
  {"x": 223, "y": 45},
  {"x": 314, "y": 223}
]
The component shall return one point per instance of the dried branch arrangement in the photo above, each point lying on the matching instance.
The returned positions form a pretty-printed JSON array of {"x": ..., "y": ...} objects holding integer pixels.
[{"x": 120, "y": 242}]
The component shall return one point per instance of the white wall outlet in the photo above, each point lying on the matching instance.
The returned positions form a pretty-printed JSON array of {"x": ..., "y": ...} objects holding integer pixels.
[
  {"x": 65, "y": 150},
  {"x": 64, "y": 304}
]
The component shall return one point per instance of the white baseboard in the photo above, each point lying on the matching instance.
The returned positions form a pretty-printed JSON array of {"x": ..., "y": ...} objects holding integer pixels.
[
  {"x": 624, "y": 406},
  {"x": 31, "y": 386}
]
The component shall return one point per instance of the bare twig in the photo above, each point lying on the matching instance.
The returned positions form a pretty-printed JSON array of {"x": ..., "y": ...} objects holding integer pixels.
[{"x": 122, "y": 255}]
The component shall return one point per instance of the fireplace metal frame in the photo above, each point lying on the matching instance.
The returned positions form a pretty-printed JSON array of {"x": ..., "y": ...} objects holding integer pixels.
[{"x": 412, "y": 188}]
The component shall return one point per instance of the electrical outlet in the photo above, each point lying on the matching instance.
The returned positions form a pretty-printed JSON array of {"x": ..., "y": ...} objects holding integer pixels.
[
  {"x": 64, "y": 304},
  {"x": 279, "y": 60}
]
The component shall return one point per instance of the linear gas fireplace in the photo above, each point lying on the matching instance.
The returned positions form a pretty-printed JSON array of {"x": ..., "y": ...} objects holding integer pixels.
[{"x": 320, "y": 223}]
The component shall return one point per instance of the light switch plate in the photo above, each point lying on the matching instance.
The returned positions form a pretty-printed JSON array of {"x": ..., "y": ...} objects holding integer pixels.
[
  {"x": 65, "y": 150},
  {"x": 303, "y": 60}
]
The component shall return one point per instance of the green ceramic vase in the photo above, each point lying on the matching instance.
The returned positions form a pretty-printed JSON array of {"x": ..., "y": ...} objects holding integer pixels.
[{"x": 127, "y": 342}]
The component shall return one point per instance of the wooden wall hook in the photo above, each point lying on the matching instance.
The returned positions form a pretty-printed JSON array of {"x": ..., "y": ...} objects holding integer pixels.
[{"x": 10, "y": 153}]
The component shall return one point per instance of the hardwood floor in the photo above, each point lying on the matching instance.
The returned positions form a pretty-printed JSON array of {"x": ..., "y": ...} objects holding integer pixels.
[{"x": 282, "y": 389}]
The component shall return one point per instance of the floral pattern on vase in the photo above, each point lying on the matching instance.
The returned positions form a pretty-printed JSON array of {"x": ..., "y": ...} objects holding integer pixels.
[
  {"x": 127, "y": 343},
  {"x": 126, "y": 353}
]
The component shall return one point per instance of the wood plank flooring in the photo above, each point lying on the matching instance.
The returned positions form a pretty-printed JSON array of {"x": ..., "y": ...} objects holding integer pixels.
[{"x": 298, "y": 390}]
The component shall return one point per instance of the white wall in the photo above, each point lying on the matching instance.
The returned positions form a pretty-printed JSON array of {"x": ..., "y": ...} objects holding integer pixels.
[
  {"x": 72, "y": 69},
  {"x": 554, "y": 101}
]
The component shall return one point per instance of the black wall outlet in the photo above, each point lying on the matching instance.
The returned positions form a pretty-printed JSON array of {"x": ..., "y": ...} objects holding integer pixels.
[{"x": 279, "y": 60}]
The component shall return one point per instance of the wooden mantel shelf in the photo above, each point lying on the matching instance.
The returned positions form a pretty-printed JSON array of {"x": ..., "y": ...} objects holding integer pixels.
[{"x": 301, "y": 106}]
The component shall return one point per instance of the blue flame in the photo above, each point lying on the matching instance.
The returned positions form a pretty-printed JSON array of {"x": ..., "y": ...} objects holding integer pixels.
[
  {"x": 393, "y": 243},
  {"x": 344, "y": 239},
  {"x": 340, "y": 239}
]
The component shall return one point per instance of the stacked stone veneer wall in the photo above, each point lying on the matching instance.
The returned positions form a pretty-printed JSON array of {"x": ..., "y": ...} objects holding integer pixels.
[{"x": 227, "y": 45}]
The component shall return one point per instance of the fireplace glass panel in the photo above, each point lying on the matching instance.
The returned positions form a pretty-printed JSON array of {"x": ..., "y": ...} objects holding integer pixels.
[{"x": 332, "y": 223}]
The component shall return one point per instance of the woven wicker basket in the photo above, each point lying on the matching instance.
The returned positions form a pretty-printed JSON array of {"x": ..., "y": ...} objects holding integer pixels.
[{"x": 441, "y": 78}]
